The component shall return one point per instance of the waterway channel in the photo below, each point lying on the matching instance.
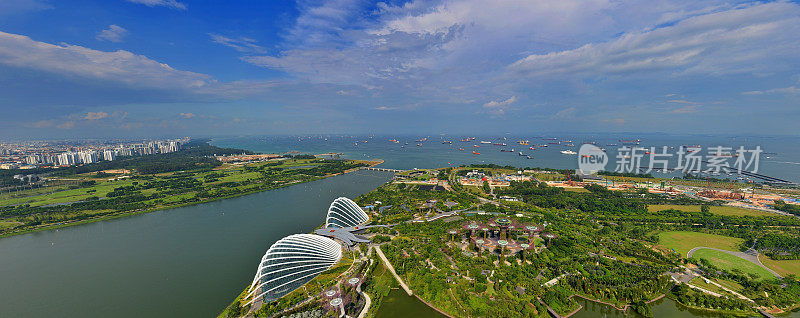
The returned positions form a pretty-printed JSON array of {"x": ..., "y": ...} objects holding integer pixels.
[{"x": 185, "y": 262}]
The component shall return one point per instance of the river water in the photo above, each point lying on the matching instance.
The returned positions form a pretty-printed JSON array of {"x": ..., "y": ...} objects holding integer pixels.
[{"x": 185, "y": 262}]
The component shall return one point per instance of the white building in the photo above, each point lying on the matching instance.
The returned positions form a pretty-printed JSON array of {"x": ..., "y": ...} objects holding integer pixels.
[{"x": 109, "y": 155}]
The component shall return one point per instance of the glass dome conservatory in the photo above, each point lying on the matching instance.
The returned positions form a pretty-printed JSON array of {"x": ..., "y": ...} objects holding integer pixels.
[
  {"x": 291, "y": 262},
  {"x": 343, "y": 212}
]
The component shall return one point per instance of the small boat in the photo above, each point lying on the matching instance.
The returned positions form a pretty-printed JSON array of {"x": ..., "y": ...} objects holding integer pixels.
[
  {"x": 461, "y": 149},
  {"x": 476, "y": 153},
  {"x": 568, "y": 152},
  {"x": 419, "y": 145},
  {"x": 520, "y": 154},
  {"x": 476, "y": 146},
  {"x": 529, "y": 157},
  {"x": 499, "y": 144},
  {"x": 531, "y": 148},
  {"x": 486, "y": 142},
  {"x": 506, "y": 150}
]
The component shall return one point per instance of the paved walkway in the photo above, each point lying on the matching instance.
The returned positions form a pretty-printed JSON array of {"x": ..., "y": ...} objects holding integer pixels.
[
  {"x": 367, "y": 302},
  {"x": 391, "y": 269},
  {"x": 750, "y": 255},
  {"x": 727, "y": 289}
]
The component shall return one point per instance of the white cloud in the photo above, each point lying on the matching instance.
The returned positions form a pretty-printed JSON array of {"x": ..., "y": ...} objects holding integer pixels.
[
  {"x": 241, "y": 44},
  {"x": 114, "y": 33},
  {"x": 686, "y": 109},
  {"x": 95, "y": 115},
  {"x": 172, "y": 4},
  {"x": 791, "y": 90},
  {"x": 119, "y": 66},
  {"x": 786, "y": 90},
  {"x": 782, "y": 90},
  {"x": 752, "y": 39},
  {"x": 499, "y": 107},
  {"x": 459, "y": 50},
  {"x": 496, "y": 104}
]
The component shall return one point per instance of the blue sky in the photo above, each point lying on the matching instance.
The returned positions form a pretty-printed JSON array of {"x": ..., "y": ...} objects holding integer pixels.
[{"x": 140, "y": 68}]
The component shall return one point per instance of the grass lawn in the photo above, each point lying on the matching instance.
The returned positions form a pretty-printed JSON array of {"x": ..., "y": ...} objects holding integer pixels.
[
  {"x": 63, "y": 195},
  {"x": 699, "y": 282},
  {"x": 683, "y": 241},
  {"x": 730, "y": 284},
  {"x": 785, "y": 268},
  {"x": 4, "y": 224},
  {"x": 729, "y": 262},
  {"x": 718, "y": 210}
]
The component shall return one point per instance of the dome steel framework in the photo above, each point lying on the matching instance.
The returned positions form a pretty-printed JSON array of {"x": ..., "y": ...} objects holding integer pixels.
[
  {"x": 343, "y": 212},
  {"x": 292, "y": 262}
]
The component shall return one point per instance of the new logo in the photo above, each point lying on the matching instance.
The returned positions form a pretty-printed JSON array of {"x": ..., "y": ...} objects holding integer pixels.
[{"x": 591, "y": 159}]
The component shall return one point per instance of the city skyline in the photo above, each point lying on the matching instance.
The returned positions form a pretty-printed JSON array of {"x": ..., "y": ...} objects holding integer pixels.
[{"x": 147, "y": 68}]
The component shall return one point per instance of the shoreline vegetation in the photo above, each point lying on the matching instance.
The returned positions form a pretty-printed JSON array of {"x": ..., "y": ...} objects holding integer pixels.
[
  {"x": 621, "y": 249},
  {"x": 116, "y": 189}
]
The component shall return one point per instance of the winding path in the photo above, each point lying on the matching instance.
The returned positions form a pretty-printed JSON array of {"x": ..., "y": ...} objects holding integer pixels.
[{"x": 750, "y": 255}]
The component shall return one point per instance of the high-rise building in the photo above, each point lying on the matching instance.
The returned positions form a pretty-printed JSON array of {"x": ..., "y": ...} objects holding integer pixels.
[{"x": 109, "y": 155}]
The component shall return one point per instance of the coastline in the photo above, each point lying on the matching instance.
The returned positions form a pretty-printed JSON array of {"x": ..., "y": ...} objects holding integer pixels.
[{"x": 371, "y": 163}]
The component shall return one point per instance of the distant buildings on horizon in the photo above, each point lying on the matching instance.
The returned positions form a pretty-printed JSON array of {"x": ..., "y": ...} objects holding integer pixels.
[{"x": 24, "y": 157}]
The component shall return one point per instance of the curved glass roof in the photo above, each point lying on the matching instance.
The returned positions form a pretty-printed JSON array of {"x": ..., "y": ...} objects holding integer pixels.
[
  {"x": 291, "y": 262},
  {"x": 343, "y": 212}
]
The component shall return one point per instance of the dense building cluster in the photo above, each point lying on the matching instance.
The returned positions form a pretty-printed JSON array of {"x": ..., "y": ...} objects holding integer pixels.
[{"x": 14, "y": 156}]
